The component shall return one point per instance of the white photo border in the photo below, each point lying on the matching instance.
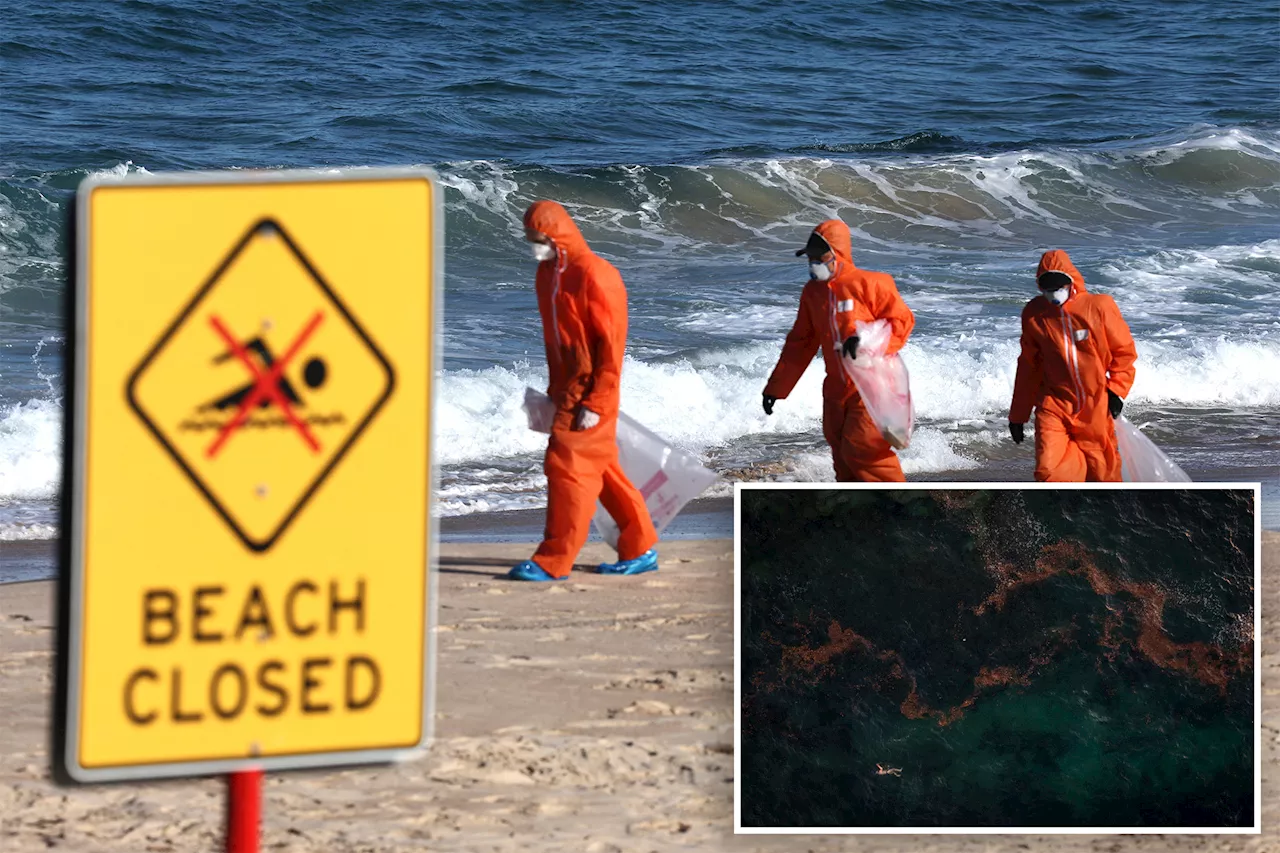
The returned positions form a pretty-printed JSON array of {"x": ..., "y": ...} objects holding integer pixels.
[{"x": 739, "y": 829}]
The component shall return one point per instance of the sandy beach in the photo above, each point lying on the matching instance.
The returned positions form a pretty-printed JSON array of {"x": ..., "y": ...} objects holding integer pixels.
[{"x": 594, "y": 715}]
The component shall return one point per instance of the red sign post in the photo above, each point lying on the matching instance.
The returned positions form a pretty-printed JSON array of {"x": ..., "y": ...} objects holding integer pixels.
[{"x": 244, "y": 810}]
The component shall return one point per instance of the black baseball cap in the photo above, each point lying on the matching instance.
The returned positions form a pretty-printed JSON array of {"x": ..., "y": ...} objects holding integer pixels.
[
  {"x": 815, "y": 246},
  {"x": 1053, "y": 279}
]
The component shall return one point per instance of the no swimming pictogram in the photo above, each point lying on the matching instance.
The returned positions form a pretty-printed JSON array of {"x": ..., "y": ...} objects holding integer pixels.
[
  {"x": 261, "y": 384},
  {"x": 268, "y": 385}
]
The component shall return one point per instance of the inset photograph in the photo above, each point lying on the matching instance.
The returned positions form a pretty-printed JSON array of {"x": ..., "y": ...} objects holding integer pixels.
[{"x": 997, "y": 658}]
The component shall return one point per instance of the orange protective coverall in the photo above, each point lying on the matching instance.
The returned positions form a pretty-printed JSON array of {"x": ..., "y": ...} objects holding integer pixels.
[
  {"x": 583, "y": 304},
  {"x": 1071, "y": 355},
  {"x": 828, "y": 311}
]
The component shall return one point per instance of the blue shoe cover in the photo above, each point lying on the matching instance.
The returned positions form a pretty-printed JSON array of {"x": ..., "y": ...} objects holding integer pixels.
[
  {"x": 646, "y": 562},
  {"x": 530, "y": 571}
]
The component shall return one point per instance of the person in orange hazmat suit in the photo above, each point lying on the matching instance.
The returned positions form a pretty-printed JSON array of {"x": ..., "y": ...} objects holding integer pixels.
[
  {"x": 1075, "y": 370},
  {"x": 837, "y": 295},
  {"x": 583, "y": 305}
]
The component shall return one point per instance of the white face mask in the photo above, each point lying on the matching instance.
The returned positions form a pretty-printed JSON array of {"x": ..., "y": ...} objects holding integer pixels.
[
  {"x": 1057, "y": 297},
  {"x": 821, "y": 272},
  {"x": 543, "y": 252}
]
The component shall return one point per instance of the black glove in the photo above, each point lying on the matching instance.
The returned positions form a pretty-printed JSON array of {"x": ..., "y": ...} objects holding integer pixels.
[
  {"x": 851, "y": 347},
  {"x": 768, "y": 404},
  {"x": 1114, "y": 404},
  {"x": 1015, "y": 430}
]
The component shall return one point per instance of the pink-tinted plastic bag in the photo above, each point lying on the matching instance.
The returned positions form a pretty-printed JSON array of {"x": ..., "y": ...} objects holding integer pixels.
[{"x": 883, "y": 382}]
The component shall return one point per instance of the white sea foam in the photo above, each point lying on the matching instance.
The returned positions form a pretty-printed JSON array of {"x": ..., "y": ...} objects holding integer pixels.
[
  {"x": 1156, "y": 276},
  {"x": 1266, "y": 146},
  {"x": 30, "y": 450},
  {"x": 18, "y": 532},
  {"x": 739, "y": 322},
  {"x": 713, "y": 400},
  {"x": 893, "y": 202},
  {"x": 482, "y": 183},
  {"x": 507, "y": 493},
  {"x": 930, "y": 452},
  {"x": 120, "y": 171}
]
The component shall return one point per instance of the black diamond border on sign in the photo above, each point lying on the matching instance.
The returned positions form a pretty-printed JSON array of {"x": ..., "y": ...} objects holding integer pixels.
[{"x": 264, "y": 226}]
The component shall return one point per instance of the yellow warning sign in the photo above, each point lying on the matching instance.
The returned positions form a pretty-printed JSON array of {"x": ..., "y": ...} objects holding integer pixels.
[
  {"x": 250, "y": 471},
  {"x": 247, "y": 374}
]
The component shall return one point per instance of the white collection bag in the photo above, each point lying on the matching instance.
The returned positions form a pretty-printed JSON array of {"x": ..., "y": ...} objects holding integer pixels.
[
  {"x": 667, "y": 478},
  {"x": 883, "y": 382},
  {"x": 1141, "y": 461}
]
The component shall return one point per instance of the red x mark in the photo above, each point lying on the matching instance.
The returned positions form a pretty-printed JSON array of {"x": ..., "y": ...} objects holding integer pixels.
[{"x": 266, "y": 384}]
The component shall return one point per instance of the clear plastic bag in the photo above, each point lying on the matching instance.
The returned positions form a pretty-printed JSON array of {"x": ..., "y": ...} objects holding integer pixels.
[
  {"x": 1141, "y": 461},
  {"x": 668, "y": 478},
  {"x": 539, "y": 409},
  {"x": 883, "y": 382}
]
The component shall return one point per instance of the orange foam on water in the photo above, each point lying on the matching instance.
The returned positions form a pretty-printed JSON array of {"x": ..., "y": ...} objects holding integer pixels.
[{"x": 1144, "y": 602}]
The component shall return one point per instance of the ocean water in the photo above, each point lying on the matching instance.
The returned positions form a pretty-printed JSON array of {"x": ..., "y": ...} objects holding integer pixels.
[
  {"x": 697, "y": 146},
  {"x": 1046, "y": 658}
]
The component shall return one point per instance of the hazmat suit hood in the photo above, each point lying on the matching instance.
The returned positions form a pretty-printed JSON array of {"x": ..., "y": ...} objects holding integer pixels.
[
  {"x": 550, "y": 218},
  {"x": 1056, "y": 260},
  {"x": 836, "y": 233}
]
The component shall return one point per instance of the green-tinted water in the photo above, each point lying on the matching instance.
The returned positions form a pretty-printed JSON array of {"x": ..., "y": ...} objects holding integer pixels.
[{"x": 1047, "y": 658}]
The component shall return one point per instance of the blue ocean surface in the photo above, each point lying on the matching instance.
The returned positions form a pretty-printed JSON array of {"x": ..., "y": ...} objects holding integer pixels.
[{"x": 697, "y": 144}]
